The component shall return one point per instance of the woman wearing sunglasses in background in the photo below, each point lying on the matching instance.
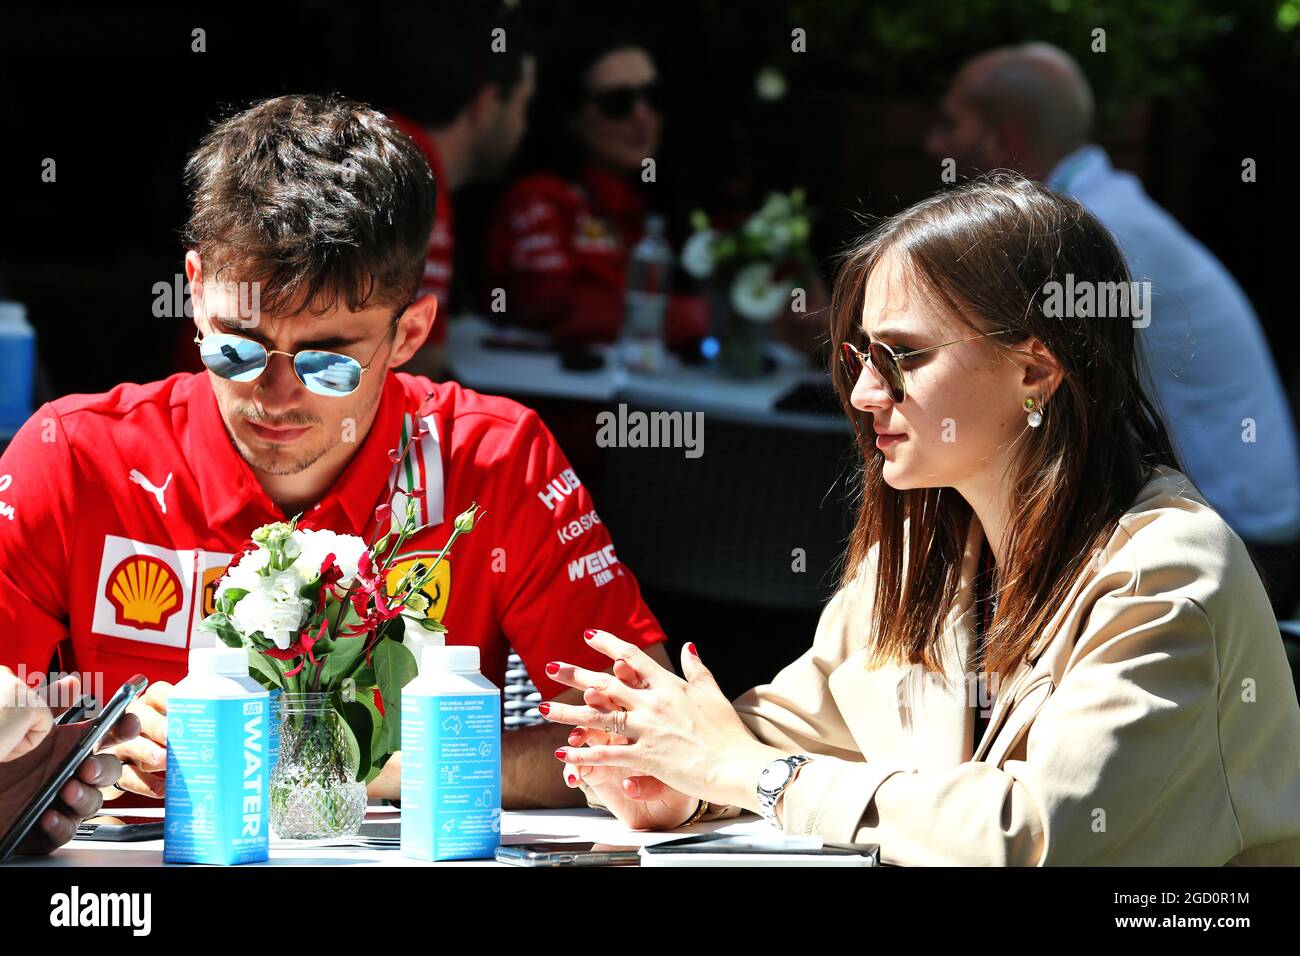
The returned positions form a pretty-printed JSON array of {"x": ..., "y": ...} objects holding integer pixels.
[
  {"x": 1046, "y": 647},
  {"x": 559, "y": 240}
]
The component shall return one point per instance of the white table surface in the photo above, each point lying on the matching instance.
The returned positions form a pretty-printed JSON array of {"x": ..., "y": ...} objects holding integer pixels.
[
  {"x": 517, "y": 826},
  {"x": 679, "y": 388}
]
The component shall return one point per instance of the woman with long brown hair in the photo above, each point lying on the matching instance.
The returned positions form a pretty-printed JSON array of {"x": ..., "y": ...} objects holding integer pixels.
[{"x": 1046, "y": 647}]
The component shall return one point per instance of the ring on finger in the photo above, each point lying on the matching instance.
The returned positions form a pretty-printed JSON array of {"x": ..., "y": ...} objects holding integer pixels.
[{"x": 617, "y": 722}]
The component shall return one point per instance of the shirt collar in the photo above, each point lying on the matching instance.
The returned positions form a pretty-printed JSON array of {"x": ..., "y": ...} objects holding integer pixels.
[
  {"x": 1070, "y": 171},
  {"x": 228, "y": 485}
]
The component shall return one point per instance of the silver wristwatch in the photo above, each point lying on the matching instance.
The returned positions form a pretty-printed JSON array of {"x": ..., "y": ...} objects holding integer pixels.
[{"x": 772, "y": 782}]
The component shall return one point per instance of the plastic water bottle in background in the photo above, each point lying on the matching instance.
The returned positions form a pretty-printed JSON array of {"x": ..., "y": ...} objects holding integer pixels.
[
  {"x": 17, "y": 367},
  {"x": 451, "y": 759},
  {"x": 218, "y": 762},
  {"x": 641, "y": 347}
]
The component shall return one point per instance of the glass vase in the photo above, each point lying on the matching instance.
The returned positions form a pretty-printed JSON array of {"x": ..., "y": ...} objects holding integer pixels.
[
  {"x": 315, "y": 793},
  {"x": 743, "y": 343}
]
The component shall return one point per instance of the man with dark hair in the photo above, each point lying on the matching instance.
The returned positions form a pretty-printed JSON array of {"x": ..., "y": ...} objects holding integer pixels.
[
  {"x": 305, "y": 248},
  {"x": 460, "y": 82}
]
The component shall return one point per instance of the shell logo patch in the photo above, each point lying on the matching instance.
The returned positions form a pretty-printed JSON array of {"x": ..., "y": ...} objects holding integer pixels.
[
  {"x": 144, "y": 592},
  {"x": 437, "y": 589}
]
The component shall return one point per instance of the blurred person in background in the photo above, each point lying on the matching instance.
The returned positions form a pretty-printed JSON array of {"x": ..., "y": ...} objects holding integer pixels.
[
  {"x": 461, "y": 92},
  {"x": 1029, "y": 108},
  {"x": 559, "y": 241}
]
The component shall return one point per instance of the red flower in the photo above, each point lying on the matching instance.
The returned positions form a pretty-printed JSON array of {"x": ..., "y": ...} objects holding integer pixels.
[
  {"x": 308, "y": 641},
  {"x": 330, "y": 574},
  {"x": 366, "y": 572}
]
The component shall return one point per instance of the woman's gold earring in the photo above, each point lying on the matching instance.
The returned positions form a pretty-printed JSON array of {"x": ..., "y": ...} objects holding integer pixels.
[{"x": 1035, "y": 416}]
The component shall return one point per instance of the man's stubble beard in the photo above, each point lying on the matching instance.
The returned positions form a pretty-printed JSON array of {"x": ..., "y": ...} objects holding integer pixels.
[
  {"x": 302, "y": 463},
  {"x": 280, "y": 466}
]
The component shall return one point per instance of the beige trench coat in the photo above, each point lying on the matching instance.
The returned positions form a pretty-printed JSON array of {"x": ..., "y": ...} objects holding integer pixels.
[{"x": 1155, "y": 722}]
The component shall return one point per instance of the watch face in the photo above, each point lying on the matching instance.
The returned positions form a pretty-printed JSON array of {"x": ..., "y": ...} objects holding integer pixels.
[{"x": 774, "y": 774}]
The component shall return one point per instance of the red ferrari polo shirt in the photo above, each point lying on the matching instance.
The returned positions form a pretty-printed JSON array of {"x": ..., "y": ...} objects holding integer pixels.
[
  {"x": 119, "y": 511},
  {"x": 560, "y": 251}
]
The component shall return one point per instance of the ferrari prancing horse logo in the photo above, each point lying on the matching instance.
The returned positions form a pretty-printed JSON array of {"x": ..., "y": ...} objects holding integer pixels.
[{"x": 437, "y": 590}]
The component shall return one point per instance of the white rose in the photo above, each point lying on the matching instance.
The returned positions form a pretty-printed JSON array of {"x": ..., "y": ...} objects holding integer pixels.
[
  {"x": 275, "y": 608},
  {"x": 697, "y": 254},
  {"x": 244, "y": 575},
  {"x": 346, "y": 548},
  {"x": 755, "y": 296}
]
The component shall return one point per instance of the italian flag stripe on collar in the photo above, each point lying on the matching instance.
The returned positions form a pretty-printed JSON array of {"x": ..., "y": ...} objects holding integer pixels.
[{"x": 422, "y": 468}]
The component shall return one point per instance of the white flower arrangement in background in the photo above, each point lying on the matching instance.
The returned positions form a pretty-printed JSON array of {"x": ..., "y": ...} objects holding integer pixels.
[{"x": 764, "y": 258}]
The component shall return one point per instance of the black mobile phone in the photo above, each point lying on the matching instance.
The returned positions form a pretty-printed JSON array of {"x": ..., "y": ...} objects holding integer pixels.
[
  {"x": 125, "y": 829},
  {"x": 568, "y": 854},
  {"x": 76, "y": 711},
  {"x": 96, "y": 730}
]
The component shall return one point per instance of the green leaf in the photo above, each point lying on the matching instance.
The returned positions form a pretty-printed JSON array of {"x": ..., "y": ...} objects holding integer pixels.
[
  {"x": 264, "y": 669},
  {"x": 395, "y": 667},
  {"x": 378, "y": 756},
  {"x": 230, "y": 597},
  {"x": 356, "y": 717},
  {"x": 221, "y": 625},
  {"x": 429, "y": 624},
  {"x": 346, "y": 651}
]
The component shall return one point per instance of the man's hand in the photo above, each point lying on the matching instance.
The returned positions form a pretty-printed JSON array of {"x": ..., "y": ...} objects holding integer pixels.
[
  {"x": 81, "y": 796},
  {"x": 144, "y": 756}
]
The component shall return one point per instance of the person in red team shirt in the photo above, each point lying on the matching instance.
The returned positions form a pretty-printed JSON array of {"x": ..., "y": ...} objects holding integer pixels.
[
  {"x": 308, "y": 231},
  {"x": 464, "y": 100},
  {"x": 558, "y": 242}
]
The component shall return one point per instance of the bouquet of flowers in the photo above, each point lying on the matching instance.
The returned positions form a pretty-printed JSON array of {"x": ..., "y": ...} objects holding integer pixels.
[
  {"x": 318, "y": 615},
  {"x": 764, "y": 259}
]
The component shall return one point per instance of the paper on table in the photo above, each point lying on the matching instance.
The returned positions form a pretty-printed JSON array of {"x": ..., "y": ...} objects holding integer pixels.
[{"x": 772, "y": 835}]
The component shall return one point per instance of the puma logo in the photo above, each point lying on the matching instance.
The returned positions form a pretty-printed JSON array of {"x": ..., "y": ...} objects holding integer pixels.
[{"x": 149, "y": 486}]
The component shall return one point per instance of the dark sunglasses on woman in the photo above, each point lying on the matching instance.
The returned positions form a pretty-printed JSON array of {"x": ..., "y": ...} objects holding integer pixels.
[
  {"x": 888, "y": 362},
  {"x": 618, "y": 102}
]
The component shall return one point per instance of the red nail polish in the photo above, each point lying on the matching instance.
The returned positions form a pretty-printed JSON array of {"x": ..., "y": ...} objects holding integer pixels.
[
  {"x": 559, "y": 754},
  {"x": 553, "y": 668},
  {"x": 691, "y": 647},
  {"x": 544, "y": 709},
  {"x": 589, "y": 634},
  {"x": 572, "y": 779}
]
